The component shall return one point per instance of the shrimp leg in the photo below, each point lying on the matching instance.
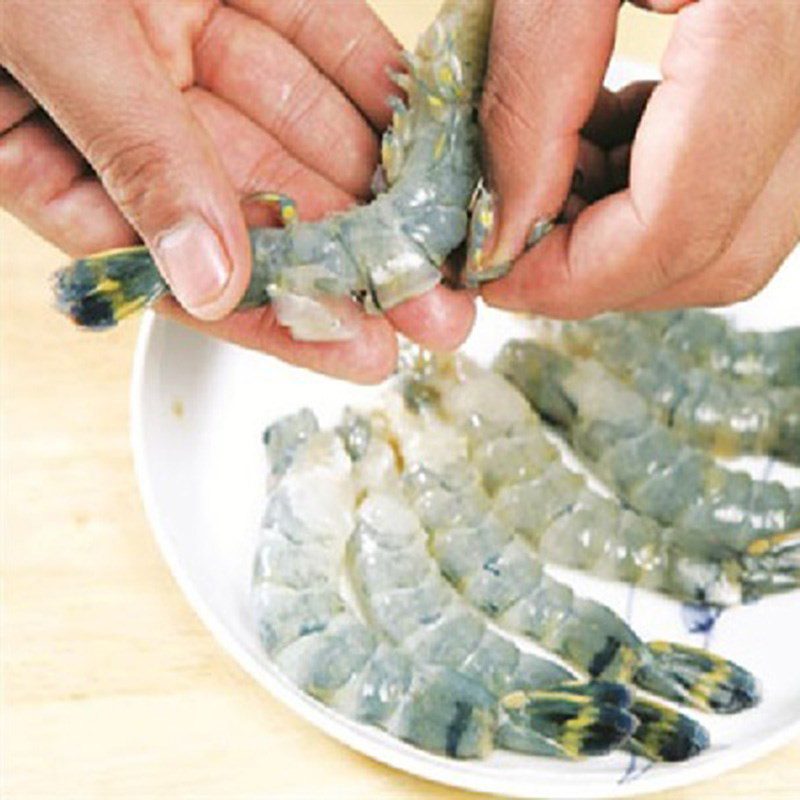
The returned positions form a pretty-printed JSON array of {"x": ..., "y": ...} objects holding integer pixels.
[{"x": 282, "y": 203}]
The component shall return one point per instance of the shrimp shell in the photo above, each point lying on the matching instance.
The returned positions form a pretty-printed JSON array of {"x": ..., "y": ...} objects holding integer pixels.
[
  {"x": 655, "y": 473},
  {"x": 320, "y": 643},
  {"x": 703, "y": 407},
  {"x": 379, "y": 254},
  {"x": 710, "y": 342},
  {"x": 489, "y": 564},
  {"x": 307, "y": 626},
  {"x": 406, "y": 599},
  {"x": 403, "y": 592}
]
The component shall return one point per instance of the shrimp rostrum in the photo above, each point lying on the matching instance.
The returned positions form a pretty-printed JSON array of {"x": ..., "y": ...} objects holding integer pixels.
[
  {"x": 377, "y": 255},
  {"x": 318, "y": 640},
  {"x": 567, "y": 521}
]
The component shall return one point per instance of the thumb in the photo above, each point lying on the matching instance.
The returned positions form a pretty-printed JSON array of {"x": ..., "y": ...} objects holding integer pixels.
[
  {"x": 546, "y": 66},
  {"x": 92, "y": 68}
]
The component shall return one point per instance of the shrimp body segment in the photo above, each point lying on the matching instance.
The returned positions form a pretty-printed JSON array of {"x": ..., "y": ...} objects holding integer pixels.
[
  {"x": 320, "y": 642},
  {"x": 707, "y": 340},
  {"x": 311, "y": 633},
  {"x": 568, "y": 522},
  {"x": 404, "y": 596},
  {"x": 495, "y": 571}
]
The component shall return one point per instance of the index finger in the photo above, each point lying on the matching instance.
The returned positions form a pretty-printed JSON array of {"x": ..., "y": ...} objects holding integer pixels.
[
  {"x": 345, "y": 39},
  {"x": 546, "y": 66}
]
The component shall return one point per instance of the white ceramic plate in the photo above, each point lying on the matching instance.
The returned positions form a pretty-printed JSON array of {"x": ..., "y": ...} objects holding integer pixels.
[{"x": 199, "y": 407}]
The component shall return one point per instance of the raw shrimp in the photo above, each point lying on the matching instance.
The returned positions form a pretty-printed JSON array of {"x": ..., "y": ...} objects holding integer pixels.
[
  {"x": 564, "y": 519},
  {"x": 702, "y": 406},
  {"x": 710, "y": 341},
  {"x": 610, "y": 425},
  {"x": 403, "y": 593},
  {"x": 404, "y": 596},
  {"x": 317, "y": 640},
  {"x": 379, "y": 254},
  {"x": 483, "y": 558}
]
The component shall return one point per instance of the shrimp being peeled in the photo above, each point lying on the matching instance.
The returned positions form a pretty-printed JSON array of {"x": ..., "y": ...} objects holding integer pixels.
[{"x": 375, "y": 256}]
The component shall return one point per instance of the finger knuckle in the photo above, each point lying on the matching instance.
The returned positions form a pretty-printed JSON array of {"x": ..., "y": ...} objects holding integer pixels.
[
  {"x": 133, "y": 170},
  {"x": 740, "y": 279},
  {"x": 350, "y": 58},
  {"x": 299, "y": 13},
  {"x": 500, "y": 113},
  {"x": 305, "y": 96}
]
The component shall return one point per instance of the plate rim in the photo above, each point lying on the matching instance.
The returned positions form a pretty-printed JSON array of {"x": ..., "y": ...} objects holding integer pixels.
[{"x": 397, "y": 755}]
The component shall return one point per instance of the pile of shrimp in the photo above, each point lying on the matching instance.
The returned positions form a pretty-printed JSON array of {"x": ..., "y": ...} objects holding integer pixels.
[{"x": 442, "y": 507}]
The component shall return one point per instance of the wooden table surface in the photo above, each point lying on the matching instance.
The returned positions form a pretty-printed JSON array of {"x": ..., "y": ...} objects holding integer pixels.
[{"x": 111, "y": 687}]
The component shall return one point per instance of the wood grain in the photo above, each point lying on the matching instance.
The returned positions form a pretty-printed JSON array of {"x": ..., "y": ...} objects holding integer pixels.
[{"x": 111, "y": 687}]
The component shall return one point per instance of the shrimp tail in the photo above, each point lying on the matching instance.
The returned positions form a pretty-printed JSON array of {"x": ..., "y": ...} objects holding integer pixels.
[
  {"x": 709, "y": 571},
  {"x": 580, "y": 719},
  {"x": 698, "y": 678},
  {"x": 666, "y": 735},
  {"x": 771, "y": 564},
  {"x": 98, "y": 291}
]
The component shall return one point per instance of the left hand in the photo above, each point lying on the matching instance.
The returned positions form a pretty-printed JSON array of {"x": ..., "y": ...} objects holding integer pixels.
[{"x": 118, "y": 118}]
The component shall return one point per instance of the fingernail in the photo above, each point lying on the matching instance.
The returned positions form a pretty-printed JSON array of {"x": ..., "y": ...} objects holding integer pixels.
[
  {"x": 194, "y": 263},
  {"x": 538, "y": 231},
  {"x": 482, "y": 236}
]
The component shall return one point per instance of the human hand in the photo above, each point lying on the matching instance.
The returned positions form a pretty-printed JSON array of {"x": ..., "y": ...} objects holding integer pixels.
[
  {"x": 152, "y": 118},
  {"x": 685, "y": 192}
]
